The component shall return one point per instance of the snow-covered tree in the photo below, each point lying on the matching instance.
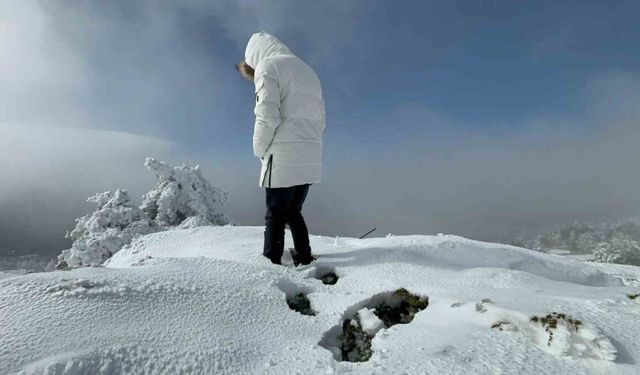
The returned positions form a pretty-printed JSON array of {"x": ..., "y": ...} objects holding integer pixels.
[
  {"x": 26, "y": 263},
  {"x": 182, "y": 197},
  {"x": 606, "y": 240},
  {"x": 99, "y": 235},
  {"x": 571, "y": 236},
  {"x": 621, "y": 248},
  {"x": 586, "y": 243}
]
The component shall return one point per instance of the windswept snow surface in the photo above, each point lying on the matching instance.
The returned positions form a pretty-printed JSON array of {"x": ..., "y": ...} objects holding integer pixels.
[{"x": 204, "y": 300}]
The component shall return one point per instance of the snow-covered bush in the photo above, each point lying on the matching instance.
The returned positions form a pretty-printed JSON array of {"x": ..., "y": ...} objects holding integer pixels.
[
  {"x": 577, "y": 237},
  {"x": 611, "y": 242},
  {"x": 25, "y": 263},
  {"x": 99, "y": 235},
  {"x": 585, "y": 243},
  {"x": 181, "y": 198},
  {"x": 620, "y": 249}
]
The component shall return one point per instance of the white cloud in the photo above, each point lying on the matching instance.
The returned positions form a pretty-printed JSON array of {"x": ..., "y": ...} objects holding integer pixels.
[
  {"x": 107, "y": 65},
  {"x": 444, "y": 177},
  {"x": 72, "y": 159},
  {"x": 48, "y": 172}
]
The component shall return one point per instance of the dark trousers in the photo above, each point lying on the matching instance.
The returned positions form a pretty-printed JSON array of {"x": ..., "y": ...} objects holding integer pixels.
[{"x": 284, "y": 206}]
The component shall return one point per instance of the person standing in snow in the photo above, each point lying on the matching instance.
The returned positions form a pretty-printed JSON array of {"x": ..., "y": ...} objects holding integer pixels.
[{"x": 287, "y": 137}]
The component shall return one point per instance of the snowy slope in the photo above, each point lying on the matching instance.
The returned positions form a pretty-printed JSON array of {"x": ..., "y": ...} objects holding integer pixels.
[{"x": 204, "y": 300}]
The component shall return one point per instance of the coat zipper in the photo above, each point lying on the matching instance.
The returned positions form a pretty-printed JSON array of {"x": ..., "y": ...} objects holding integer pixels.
[{"x": 268, "y": 169}]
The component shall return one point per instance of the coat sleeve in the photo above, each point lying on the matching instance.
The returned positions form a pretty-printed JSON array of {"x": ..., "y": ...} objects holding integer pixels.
[{"x": 267, "y": 109}]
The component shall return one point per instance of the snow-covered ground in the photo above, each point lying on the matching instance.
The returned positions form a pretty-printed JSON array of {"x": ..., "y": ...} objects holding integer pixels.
[
  {"x": 204, "y": 300},
  {"x": 569, "y": 254}
]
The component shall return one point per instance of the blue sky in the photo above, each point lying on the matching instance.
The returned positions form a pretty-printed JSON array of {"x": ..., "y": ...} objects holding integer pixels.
[
  {"x": 470, "y": 117},
  {"x": 484, "y": 65}
]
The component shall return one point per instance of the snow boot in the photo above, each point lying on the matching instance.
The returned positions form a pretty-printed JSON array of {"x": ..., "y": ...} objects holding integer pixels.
[
  {"x": 278, "y": 262},
  {"x": 301, "y": 259}
]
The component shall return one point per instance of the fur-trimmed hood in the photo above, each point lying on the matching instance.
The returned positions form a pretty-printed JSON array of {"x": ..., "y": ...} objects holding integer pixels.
[{"x": 262, "y": 45}]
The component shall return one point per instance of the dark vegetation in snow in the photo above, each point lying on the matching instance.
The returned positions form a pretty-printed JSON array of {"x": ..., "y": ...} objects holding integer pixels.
[
  {"x": 400, "y": 308},
  {"x": 504, "y": 325},
  {"x": 329, "y": 278},
  {"x": 296, "y": 296},
  {"x": 326, "y": 274},
  {"x": 351, "y": 341},
  {"x": 356, "y": 343},
  {"x": 301, "y": 304},
  {"x": 550, "y": 323}
]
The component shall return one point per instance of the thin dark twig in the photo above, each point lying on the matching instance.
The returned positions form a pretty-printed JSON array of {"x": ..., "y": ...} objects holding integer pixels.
[{"x": 368, "y": 233}]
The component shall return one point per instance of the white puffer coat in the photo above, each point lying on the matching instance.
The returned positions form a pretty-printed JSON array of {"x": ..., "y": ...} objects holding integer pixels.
[{"x": 290, "y": 116}]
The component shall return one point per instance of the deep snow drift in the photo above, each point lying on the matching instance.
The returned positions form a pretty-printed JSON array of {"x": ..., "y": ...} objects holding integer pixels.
[{"x": 204, "y": 300}]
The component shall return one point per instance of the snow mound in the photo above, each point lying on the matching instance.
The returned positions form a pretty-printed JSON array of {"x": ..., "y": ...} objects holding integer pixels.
[
  {"x": 446, "y": 252},
  {"x": 205, "y": 300},
  {"x": 370, "y": 323},
  {"x": 134, "y": 359}
]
